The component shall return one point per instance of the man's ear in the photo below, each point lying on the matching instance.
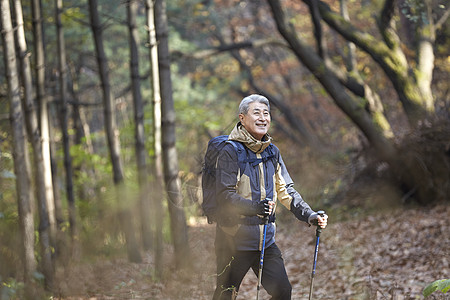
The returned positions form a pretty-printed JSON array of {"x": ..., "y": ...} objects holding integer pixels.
[{"x": 241, "y": 117}]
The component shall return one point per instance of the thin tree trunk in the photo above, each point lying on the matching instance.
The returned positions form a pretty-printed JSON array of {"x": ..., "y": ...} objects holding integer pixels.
[
  {"x": 171, "y": 178},
  {"x": 158, "y": 195},
  {"x": 43, "y": 114},
  {"x": 20, "y": 150},
  {"x": 374, "y": 105},
  {"x": 47, "y": 223},
  {"x": 28, "y": 104},
  {"x": 425, "y": 55},
  {"x": 350, "y": 58},
  {"x": 113, "y": 134},
  {"x": 321, "y": 43},
  {"x": 63, "y": 108},
  {"x": 59, "y": 215},
  {"x": 141, "y": 153},
  {"x": 34, "y": 134},
  {"x": 82, "y": 132}
]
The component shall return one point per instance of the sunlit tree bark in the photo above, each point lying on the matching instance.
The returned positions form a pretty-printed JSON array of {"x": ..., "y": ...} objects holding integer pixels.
[
  {"x": 139, "y": 132},
  {"x": 409, "y": 80},
  {"x": 53, "y": 125},
  {"x": 169, "y": 151},
  {"x": 372, "y": 123},
  {"x": 20, "y": 151},
  {"x": 47, "y": 220},
  {"x": 64, "y": 118},
  {"x": 158, "y": 195},
  {"x": 35, "y": 138},
  {"x": 42, "y": 100},
  {"x": 412, "y": 84}
]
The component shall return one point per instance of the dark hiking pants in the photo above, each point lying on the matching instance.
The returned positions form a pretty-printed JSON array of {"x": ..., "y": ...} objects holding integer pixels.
[{"x": 232, "y": 267}]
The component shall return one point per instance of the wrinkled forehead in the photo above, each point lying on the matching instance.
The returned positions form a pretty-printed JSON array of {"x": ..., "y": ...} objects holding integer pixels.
[{"x": 258, "y": 106}]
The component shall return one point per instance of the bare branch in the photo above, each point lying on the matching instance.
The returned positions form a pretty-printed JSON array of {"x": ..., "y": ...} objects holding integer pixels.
[
  {"x": 318, "y": 32},
  {"x": 443, "y": 19},
  {"x": 350, "y": 58},
  {"x": 294, "y": 121},
  {"x": 204, "y": 53},
  {"x": 83, "y": 103},
  {"x": 386, "y": 25}
]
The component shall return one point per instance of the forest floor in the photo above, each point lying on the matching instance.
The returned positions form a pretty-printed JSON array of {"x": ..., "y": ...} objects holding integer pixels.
[{"x": 387, "y": 255}]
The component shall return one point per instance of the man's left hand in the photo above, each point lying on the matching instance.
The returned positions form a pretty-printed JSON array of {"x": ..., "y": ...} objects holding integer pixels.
[
  {"x": 322, "y": 221},
  {"x": 316, "y": 220}
]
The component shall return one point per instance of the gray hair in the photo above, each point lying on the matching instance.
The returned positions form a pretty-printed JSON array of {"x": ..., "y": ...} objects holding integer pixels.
[{"x": 245, "y": 103}]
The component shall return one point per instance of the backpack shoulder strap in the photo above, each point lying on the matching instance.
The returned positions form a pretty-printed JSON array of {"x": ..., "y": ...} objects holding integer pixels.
[
  {"x": 273, "y": 154},
  {"x": 241, "y": 154},
  {"x": 238, "y": 146}
]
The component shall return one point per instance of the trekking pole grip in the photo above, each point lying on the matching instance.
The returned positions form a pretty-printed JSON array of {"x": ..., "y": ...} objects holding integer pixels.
[{"x": 321, "y": 213}]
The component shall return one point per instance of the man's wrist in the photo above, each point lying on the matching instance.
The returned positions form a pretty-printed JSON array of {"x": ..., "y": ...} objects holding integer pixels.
[{"x": 312, "y": 217}]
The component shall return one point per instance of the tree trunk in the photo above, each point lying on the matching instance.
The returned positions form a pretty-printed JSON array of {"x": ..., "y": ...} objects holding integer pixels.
[
  {"x": 112, "y": 134},
  {"x": 158, "y": 195},
  {"x": 350, "y": 58},
  {"x": 20, "y": 150},
  {"x": 388, "y": 55},
  {"x": 47, "y": 225},
  {"x": 64, "y": 117},
  {"x": 374, "y": 105},
  {"x": 43, "y": 114},
  {"x": 59, "y": 214},
  {"x": 34, "y": 134},
  {"x": 141, "y": 153},
  {"x": 372, "y": 123},
  {"x": 171, "y": 178},
  {"x": 426, "y": 37}
]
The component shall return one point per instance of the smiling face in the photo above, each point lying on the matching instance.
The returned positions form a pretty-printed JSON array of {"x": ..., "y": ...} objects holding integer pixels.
[{"x": 256, "y": 120}]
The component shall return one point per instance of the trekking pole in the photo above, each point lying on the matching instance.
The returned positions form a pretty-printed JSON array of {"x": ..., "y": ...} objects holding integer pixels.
[
  {"x": 261, "y": 259},
  {"x": 318, "y": 232}
]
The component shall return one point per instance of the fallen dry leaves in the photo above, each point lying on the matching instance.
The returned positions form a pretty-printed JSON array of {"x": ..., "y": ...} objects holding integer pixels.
[{"x": 388, "y": 255}]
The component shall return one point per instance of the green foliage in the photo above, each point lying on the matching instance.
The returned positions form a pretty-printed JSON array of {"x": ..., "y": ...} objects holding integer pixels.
[
  {"x": 11, "y": 289},
  {"x": 415, "y": 11},
  {"x": 442, "y": 285},
  {"x": 9, "y": 228},
  {"x": 206, "y": 94},
  {"x": 92, "y": 169}
]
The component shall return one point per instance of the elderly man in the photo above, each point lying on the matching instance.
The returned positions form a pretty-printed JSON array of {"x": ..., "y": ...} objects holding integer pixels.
[{"x": 247, "y": 194}]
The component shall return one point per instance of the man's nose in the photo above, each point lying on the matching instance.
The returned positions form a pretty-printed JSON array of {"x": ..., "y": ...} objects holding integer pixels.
[{"x": 263, "y": 117}]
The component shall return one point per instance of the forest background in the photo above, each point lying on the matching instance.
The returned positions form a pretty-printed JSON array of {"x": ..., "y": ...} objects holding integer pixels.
[{"x": 106, "y": 109}]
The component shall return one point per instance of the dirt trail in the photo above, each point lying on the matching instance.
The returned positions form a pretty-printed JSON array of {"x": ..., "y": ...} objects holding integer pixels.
[{"x": 384, "y": 256}]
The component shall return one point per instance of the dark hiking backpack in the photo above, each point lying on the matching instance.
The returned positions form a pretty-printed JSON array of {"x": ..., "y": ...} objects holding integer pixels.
[{"x": 215, "y": 145}]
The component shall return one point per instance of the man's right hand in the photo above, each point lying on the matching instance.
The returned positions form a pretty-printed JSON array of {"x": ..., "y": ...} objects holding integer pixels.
[{"x": 265, "y": 207}]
